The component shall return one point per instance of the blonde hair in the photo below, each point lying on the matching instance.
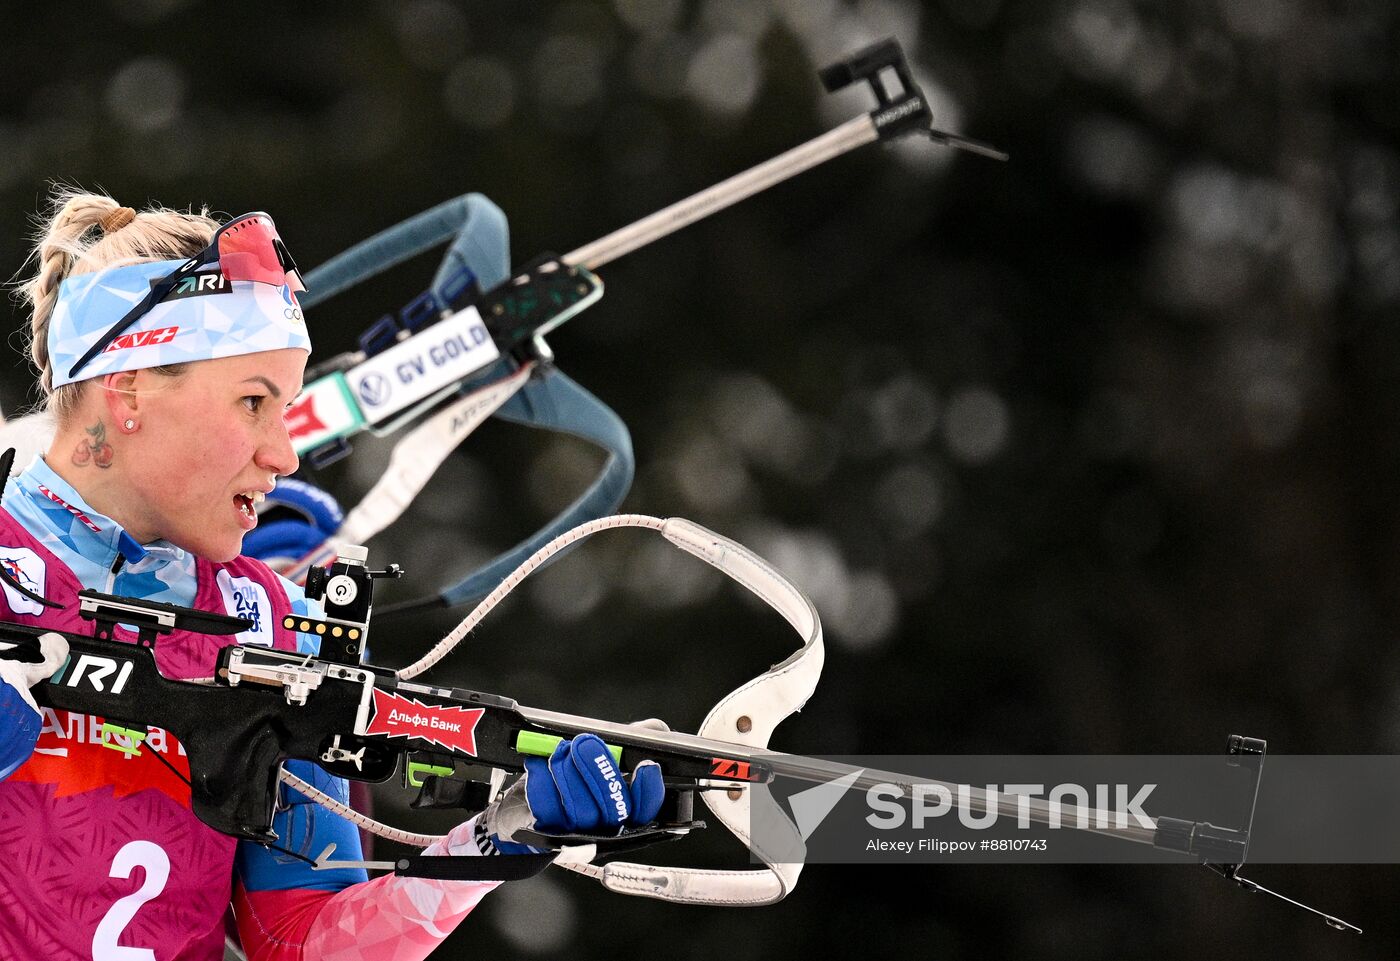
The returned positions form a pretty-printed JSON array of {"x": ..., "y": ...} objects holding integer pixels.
[{"x": 82, "y": 233}]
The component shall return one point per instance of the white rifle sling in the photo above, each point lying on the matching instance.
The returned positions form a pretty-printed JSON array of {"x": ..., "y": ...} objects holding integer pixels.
[
  {"x": 418, "y": 456},
  {"x": 414, "y": 460},
  {"x": 747, "y": 715}
]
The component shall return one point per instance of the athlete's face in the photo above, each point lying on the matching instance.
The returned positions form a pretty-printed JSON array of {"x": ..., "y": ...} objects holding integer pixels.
[{"x": 206, "y": 442}]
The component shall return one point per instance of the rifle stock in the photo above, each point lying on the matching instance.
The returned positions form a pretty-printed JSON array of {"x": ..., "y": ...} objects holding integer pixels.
[{"x": 264, "y": 707}]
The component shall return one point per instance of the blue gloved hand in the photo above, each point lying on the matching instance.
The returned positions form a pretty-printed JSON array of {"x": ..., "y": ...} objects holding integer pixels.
[{"x": 578, "y": 790}]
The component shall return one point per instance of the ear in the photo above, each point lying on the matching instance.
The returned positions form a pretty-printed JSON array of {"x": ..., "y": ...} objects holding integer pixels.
[{"x": 120, "y": 394}]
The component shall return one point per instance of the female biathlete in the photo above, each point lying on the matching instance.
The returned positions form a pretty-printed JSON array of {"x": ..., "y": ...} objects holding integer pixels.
[{"x": 169, "y": 348}]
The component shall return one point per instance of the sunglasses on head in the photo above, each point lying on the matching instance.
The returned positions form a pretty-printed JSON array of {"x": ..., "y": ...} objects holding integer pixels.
[{"x": 246, "y": 248}]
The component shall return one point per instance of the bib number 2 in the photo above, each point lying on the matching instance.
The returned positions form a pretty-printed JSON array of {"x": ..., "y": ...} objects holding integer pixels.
[{"x": 144, "y": 854}]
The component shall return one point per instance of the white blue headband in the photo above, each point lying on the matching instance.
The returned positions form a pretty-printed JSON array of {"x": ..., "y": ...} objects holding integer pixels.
[{"x": 205, "y": 316}]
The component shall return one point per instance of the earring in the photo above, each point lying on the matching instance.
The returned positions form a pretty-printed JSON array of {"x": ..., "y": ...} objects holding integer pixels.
[{"x": 130, "y": 424}]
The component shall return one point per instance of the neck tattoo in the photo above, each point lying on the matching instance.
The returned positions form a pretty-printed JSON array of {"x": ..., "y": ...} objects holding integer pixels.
[{"x": 94, "y": 449}]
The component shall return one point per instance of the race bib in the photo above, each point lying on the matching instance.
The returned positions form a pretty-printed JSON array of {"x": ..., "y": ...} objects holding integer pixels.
[{"x": 245, "y": 597}]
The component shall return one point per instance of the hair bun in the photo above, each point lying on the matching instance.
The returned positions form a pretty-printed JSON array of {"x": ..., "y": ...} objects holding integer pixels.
[{"x": 117, "y": 219}]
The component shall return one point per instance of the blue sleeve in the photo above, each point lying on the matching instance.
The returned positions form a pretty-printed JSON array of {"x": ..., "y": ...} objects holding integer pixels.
[
  {"x": 305, "y": 607},
  {"x": 19, "y": 730},
  {"x": 305, "y": 828}
]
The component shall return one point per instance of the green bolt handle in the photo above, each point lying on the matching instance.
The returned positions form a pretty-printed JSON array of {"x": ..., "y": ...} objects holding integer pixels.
[{"x": 543, "y": 745}]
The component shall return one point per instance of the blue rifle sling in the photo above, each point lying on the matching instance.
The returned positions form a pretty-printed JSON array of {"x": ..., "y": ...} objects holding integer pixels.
[{"x": 550, "y": 400}]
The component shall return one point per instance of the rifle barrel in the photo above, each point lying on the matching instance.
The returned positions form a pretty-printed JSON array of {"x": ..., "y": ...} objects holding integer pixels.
[
  {"x": 819, "y": 771},
  {"x": 852, "y": 134}
]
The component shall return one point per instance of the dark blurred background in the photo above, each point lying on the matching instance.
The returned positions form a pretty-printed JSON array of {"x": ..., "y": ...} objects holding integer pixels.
[{"x": 1087, "y": 452}]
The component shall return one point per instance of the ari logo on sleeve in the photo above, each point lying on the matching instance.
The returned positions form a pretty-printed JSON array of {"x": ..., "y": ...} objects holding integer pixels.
[
  {"x": 27, "y": 568},
  {"x": 245, "y": 597}
]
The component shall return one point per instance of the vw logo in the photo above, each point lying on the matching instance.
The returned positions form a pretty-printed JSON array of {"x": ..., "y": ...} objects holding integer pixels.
[{"x": 374, "y": 389}]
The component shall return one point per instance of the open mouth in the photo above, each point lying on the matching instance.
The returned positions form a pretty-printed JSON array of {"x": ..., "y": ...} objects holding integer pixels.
[{"x": 247, "y": 503}]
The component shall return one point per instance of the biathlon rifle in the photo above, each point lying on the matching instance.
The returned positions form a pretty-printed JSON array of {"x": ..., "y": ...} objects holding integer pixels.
[
  {"x": 264, "y": 706},
  {"x": 481, "y": 322},
  {"x": 398, "y": 371}
]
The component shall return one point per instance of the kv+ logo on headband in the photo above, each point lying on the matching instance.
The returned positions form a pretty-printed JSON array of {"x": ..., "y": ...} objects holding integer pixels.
[{"x": 250, "y": 261}]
